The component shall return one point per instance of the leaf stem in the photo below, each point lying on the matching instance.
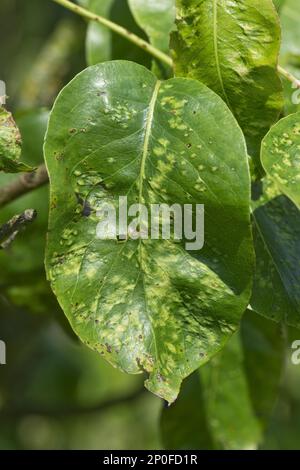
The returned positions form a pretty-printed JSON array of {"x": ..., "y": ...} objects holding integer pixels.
[
  {"x": 10, "y": 229},
  {"x": 117, "y": 29},
  {"x": 23, "y": 184},
  {"x": 289, "y": 76}
]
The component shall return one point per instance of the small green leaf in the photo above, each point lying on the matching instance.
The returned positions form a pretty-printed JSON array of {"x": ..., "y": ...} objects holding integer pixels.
[
  {"x": 10, "y": 145},
  {"x": 280, "y": 156},
  {"x": 156, "y": 18},
  {"x": 232, "y": 46},
  {"x": 228, "y": 402},
  {"x": 147, "y": 304},
  {"x": 276, "y": 228}
]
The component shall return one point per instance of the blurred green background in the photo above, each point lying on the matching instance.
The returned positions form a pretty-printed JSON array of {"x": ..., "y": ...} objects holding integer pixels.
[{"x": 54, "y": 392}]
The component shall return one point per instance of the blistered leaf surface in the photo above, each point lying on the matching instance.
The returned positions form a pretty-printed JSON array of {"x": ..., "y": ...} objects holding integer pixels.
[
  {"x": 147, "y": 305},
  {"x": 232, "y": 46}
]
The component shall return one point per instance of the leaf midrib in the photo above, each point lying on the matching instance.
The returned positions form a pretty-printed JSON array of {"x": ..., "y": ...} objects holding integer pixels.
[{"x": 149, "y": 122}]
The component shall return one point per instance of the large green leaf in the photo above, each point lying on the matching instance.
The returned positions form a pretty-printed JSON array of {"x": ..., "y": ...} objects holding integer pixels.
[
  {"x": 276, "y": 227},
  {"x": 280, "y": 156},
  {"x": 147, "y": 304},
  {"x": 229, "y": 407},
  {"x": 232, "y": 46},
  {"x": 10, "y": 145},
  {"x": 157, "y": 18}
]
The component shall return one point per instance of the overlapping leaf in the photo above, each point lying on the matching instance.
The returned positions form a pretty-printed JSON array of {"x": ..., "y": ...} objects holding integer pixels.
[
  {"x": 279, "y": 4},
  {"x": 228, "y": 402},
  {"x": 290, "y": 18},
  {"x": 98, "y": 38},
  {"x": 147, "y": 304},
  {"x": 233, "y": 46},
  {"x": 157, "y": 18},
  {"x": 10, "y": 145},
  {"x": 280, "y": 156}
]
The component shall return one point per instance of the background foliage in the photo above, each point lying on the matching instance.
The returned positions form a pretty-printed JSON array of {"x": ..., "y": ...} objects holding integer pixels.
[{"x": 56, "y": 393}]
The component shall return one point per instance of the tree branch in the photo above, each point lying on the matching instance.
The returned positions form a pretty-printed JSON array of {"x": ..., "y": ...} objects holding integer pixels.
[
  {"x": 73, "y": 410},
  {"x": 23, "y": 184},
  {"x": 117, "y": 29},
  {"x": 289, "y": 76},
  {"x": 10, "y": 229}
]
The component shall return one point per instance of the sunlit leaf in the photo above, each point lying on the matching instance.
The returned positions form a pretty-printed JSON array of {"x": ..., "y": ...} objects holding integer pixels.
[{"x": 147, "y": 304}]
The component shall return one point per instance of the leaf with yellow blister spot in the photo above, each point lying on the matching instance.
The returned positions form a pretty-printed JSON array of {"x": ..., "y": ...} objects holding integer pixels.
[
  {"x": 148, "y": 305},
  {"x": 10, "y": 145}
]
